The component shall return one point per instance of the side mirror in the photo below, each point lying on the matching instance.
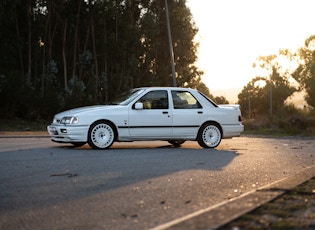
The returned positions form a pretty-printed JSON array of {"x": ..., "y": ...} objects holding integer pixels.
[{"x": 139, "y": 106}]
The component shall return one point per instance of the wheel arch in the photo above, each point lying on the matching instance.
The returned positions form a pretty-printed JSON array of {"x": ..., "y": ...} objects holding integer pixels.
[
  {"x": 209, "y": 137},
  {"x": 109, "y": 122},
  {"x": 212, "y": 122}
]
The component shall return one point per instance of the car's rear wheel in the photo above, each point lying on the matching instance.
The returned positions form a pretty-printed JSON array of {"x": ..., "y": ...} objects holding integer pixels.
[
  {"x": 101, "y": 135},
  {"x": 176, "y": 142},
  {"x": 209, "y": 135}
]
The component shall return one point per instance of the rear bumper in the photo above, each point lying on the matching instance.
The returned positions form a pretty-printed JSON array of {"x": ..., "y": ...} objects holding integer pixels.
[{"x": 232, "y": 130}]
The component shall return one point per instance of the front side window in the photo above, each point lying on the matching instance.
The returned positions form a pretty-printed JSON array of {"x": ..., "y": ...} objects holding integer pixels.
[
  {"x": 155, "y": 100},
  {"x": 184, "y": 100}
]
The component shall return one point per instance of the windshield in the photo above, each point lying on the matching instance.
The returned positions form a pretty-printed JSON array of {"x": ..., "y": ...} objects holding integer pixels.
[{"x": 126, "y": 97}]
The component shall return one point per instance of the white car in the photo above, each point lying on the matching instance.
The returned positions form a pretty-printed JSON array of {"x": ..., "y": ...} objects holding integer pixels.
[{"x": 170, "y": 114}]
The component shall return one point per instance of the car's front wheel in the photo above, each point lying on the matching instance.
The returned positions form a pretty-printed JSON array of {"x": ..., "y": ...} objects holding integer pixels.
[
  {"x": 101, "y": 135},
  {"x": 209, "y": 135}
]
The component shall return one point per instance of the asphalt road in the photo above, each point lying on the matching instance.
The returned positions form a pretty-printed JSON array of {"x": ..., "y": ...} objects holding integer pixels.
[{"x": 140, "y": 185}]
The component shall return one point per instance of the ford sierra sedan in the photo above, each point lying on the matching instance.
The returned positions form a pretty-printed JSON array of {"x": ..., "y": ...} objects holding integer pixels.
[{"x": 170, "y": 114}]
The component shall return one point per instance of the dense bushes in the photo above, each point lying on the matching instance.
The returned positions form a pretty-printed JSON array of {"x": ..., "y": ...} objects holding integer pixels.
[{"x": 289, "y": 121}]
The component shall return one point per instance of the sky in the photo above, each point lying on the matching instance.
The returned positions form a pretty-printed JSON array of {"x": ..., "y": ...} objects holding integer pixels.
[{"x": 233, "y": 33}]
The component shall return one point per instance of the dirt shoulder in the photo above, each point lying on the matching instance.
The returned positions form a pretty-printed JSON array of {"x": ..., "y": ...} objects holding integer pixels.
[{"x": 295, "y": 209}]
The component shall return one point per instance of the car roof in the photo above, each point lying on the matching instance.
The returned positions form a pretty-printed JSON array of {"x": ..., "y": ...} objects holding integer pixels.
[{"x": 166, "y": 88}]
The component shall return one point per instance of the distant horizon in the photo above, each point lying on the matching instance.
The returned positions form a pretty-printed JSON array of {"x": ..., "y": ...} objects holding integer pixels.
[{"x": 231, "y": 95}]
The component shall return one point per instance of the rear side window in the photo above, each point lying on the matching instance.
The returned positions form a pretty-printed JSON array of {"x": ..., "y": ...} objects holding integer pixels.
[
  {"x": 184, "y": 100},
  {"x": 208, "y": 99}
]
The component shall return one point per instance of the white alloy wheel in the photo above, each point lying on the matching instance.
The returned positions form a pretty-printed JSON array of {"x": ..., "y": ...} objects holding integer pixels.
[
  {"x": 209, "y": 135},
  {"x": 101, "y": 135}
]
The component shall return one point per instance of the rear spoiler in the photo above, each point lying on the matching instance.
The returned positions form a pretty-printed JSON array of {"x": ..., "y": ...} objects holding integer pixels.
[{"x": 232, "y": 106}]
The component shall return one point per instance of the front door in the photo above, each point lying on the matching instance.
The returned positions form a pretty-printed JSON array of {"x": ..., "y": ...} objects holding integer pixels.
[{"x": 154, "y": 120}]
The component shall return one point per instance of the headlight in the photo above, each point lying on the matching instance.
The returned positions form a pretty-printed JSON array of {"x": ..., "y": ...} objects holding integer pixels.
[{"x": 69, "y": 120}]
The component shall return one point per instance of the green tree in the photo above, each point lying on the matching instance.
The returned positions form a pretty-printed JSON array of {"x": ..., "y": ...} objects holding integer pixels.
[
  {"x": 268, "y": 93},
  {"x": 59, "y": 54},
  {"x": 221, "y": 100},
  {"x": 252, "y": 98},
  {"x": 155, "y": 59},
  {"x": 305, "y": 72}
]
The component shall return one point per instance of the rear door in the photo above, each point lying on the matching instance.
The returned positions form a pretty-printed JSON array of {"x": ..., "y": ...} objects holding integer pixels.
[{"x": 188, "y": 114}]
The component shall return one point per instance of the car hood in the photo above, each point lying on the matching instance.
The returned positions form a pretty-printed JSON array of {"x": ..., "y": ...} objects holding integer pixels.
[{"x": 87, "y": 109}]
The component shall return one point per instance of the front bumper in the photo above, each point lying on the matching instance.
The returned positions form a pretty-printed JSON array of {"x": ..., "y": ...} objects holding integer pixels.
[{"x": 68, "y": 134}]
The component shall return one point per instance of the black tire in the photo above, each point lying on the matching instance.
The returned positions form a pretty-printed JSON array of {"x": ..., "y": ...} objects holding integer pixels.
[
  {"x": 78, "y": 144},
  {"x": 209, "y": 135},
  {"x": 176, "y": 142},
  {"x": 101, "y": 135}
]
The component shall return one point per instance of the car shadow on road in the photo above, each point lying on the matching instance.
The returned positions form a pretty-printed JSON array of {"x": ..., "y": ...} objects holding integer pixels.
[{"x": 50, "y": 176}]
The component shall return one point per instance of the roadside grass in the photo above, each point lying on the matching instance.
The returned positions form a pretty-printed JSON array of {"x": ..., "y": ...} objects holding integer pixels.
[
  {"x": 276, "y": 133},
  {"x": 292, "y": 126},
  {"x": 22, "y": 125}
]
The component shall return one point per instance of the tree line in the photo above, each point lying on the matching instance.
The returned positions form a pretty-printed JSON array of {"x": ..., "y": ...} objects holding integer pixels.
[{"x": 59, "y": 54}]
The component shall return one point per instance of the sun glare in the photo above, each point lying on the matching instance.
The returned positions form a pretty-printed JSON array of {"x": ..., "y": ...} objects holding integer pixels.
[{"x": 232, "y": 34}]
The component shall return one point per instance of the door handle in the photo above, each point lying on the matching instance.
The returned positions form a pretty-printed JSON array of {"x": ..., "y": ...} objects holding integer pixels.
[
  {"x": 199, "y": 112},
  {"x": 165, "y": 112}
]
